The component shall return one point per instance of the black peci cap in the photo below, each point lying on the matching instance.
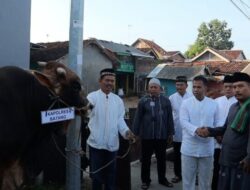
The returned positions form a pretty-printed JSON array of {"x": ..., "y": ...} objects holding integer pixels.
[
  {"x": 228, "y": 79},
  {"x": 107, "y": 71},
  {"x": 238, "y": 76}
]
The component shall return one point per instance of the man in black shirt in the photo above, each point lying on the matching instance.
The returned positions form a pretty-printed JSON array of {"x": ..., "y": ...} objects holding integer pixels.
[{"x": 154, "y": 124}]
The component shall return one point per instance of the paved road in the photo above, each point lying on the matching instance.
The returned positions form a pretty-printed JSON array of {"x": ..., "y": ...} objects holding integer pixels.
[
  {"x": 135, "y": 177},
  {"x": 136, "y": 182}
]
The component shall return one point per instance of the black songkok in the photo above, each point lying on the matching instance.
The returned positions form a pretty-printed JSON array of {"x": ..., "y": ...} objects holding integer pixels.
[
  {"x": 228, "y": 79},
  {"x": 181, "y": 79},
  {"x": 237, "y": 77},
  {"x": 106, "y": 72}
]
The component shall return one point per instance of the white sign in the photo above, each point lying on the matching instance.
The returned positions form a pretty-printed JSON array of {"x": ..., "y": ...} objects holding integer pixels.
[{"x": 51, "y": 116}]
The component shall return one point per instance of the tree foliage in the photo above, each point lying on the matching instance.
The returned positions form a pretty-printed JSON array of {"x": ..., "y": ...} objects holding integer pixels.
[{"x": 214, "y": 34}]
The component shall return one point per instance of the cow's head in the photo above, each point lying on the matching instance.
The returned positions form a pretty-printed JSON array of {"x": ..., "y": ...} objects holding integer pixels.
[{"x": 63, "y": 82}]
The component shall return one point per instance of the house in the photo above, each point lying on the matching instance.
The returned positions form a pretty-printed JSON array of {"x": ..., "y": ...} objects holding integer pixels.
[
  {"x": 142, "y": 68},
  {"x": 47, "y": 52},
  {"x": 123, "y": 58},
  {"x": 210, "y": 54},
  {"x": 157, "y": 51},
  {"x": 97, "y": 54},
  {"x": 214, "y": 64},
  {"x": 222, "y": 62},
  {"x": 220, "y": 68},
  {"x": 167, "y": 74}
]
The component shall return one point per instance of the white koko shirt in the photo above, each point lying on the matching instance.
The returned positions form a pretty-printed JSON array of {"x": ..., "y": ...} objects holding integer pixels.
[
  {"x": 194, "y": 114},
  {"x": 224, "y": 104},
  {"x": 176, "y": 100},
  {"x": 106, "y": 120}
]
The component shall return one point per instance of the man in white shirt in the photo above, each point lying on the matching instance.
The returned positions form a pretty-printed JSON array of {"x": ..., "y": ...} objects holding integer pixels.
[
  {"x": 176, "y": 100},
  {"x": 224, "y": 103},
  {"x": 106, "y": 120},
  {"x": 197, "y": 153}
]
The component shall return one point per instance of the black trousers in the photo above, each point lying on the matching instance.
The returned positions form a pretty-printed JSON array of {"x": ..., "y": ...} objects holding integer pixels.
[
  {"x": 148, "y": 147},
  {"x": 233, "y": 178},
  {"x": 177, "y": 159},
  {"x": 105, "y": 177},
  {"x": 216, "y": 168}
]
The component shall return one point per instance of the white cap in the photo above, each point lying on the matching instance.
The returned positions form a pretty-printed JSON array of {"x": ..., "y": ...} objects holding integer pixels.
[{"x": 154, "y": 81}]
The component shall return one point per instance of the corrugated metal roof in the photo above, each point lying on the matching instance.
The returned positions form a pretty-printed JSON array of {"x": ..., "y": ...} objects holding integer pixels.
[
  {"x": 120, "y": 48},
  {"x": 164, "y": 71},
  {"x": 156, "y": 70}
]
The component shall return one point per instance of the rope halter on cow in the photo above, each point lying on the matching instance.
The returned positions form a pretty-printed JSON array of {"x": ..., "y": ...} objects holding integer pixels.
[{"x": 41, "y": 77}]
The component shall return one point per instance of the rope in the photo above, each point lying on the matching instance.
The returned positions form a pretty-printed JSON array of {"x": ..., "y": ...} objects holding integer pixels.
[
  {"x": 81, "y": 151},
  {"x": 57, "y": 98}
]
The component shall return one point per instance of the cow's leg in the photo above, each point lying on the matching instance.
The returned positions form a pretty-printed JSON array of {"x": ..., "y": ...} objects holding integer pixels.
[{"x": 13, "y": 177}]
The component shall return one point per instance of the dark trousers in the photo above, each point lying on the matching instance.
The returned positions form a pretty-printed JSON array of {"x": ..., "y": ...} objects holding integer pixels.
[
  {"x": 177, "y": 159},
  {"x": 148, "y": 147},
  {"x": 216, "y": 169},
  {"x": 105, "y": 177},
  {"x": 233, "y": 178}
]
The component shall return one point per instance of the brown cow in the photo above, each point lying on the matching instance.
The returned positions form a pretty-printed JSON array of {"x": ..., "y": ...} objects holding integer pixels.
[{"x": 23, "y": 95}]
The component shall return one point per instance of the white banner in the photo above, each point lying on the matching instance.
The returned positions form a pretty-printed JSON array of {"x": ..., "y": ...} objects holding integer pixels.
[{"x": 56, "y": 115}]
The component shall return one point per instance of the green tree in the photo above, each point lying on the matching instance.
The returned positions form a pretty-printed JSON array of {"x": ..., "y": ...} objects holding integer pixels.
[{"x": 214, "y": 34}]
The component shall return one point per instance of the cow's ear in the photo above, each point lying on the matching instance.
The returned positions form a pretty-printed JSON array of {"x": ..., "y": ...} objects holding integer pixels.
[{"x": 43, "y": 79}]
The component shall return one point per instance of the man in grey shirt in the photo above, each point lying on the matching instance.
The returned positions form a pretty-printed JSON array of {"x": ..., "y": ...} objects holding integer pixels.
[{"x": 235, "y": 152}]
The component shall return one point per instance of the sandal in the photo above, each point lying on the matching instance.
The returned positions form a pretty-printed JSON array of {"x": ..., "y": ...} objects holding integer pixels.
[
  {"x": 144, "y": 186},
  {"x": 166, "y": 183},
  {"x": 175, "y": 179}
]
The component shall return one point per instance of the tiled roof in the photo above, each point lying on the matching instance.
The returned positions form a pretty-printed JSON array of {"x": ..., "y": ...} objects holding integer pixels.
[
  {"x": 212, "y": 63},
  {"x": 157, "y": 51},
  {"x": 56, "y": 50},
  {"x": 227, "y": 55},
  {"x": 230, "y": 68},
  {"x": 52, "y": 51},
  {"x": 224, "y": 67},
  {"x": 220, "y": 53},
  {"x": 171, "y": 53},
  {"x": 154, "y": 46},
  {"x": 145, "y": 50},
  {"x": 232, "y": 54}
]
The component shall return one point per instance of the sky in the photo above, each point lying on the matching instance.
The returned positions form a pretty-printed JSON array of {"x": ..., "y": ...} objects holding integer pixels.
[{"x": 172, "y": 24}]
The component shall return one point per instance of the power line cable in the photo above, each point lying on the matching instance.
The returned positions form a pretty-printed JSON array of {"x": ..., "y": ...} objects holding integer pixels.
[
  {"x": 245, "y": 4},
  {"x": 240, "y": 9},
  {"x": 244, "y": 7}
]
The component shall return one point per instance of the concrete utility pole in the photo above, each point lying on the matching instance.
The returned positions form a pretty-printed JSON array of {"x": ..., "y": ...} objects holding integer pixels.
[
  {"x": 15, "y": 33},
  {"x": 73, "y": 175}
]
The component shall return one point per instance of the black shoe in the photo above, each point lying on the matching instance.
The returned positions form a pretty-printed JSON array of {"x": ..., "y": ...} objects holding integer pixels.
[
  {"x": 176, "y": 179},
  {"x": 145, "y": 185},
  {"x": 166, "y": 183}
]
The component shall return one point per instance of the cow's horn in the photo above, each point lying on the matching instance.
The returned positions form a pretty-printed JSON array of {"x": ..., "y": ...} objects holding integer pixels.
[
  {"x": 42, "y": 63},
  {"x": 61, "y": 71}
]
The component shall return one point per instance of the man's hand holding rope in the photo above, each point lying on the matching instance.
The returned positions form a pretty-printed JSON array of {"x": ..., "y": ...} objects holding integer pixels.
[{"x": 130, "y": 136}]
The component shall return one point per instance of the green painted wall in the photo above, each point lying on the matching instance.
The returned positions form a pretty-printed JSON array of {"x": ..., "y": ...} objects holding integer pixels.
[{"x": 169, "y": 86}]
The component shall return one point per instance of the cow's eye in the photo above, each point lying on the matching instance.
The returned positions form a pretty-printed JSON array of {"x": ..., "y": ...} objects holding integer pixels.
[{"x": 76, "y": 86}]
